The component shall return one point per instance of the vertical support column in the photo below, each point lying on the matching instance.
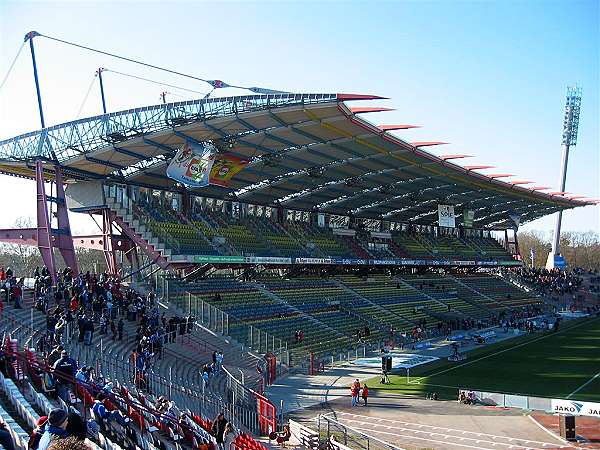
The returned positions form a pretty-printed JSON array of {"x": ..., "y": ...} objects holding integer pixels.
[
  {"x": 65, "y": 238},
  {"x": 44, "y": 232},
  {"x": 107, "y": 243},
  {"x": 517, "y": 250},
  {"x": 563, "y": 184},
  {"x": 99, "y": 72},
  {"x": 185, "y": 203}
]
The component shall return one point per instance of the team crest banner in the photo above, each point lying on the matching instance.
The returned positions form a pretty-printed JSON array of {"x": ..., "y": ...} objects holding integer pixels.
[
  {"x": 192, "y": 164},
  {"x": 198, "y": 165},
  {"x": 224, "y": 168}
]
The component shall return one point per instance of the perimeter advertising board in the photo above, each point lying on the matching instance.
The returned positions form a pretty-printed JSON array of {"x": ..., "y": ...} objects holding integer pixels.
[{"x": 575, "y": 408}]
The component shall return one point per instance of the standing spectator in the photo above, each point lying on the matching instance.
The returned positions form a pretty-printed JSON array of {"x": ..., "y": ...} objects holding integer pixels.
[
  {"x": 57, "y": 425},
  {"x": 365, "y": 394},
  {"x": 18, "y": 293},
  {"x": 64, "y": 373},
  {"x": 120, "y": 328},
  {"x": 228, "y": 437},
  {"x": 218, "y": 429},
  {"x": 354, "y": 391}
]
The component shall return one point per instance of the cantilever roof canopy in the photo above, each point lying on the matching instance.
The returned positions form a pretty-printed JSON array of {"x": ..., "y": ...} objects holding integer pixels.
[{"x": 306, "y": 152}]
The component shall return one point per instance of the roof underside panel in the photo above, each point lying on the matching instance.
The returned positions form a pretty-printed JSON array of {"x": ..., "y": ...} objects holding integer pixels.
[{"x": 305, "y": 151}]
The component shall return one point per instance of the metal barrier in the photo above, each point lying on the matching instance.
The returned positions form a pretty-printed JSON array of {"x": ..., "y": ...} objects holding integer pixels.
[
  {"x": 505, "y": 400},
  {"x": 329, "y": 428},
  {"x": 221, "y": 322}
]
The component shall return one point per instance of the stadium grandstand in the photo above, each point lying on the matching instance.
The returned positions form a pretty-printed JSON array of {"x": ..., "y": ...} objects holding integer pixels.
[
  {"x": 327, "y": 245},
  {"x": 249, "y": 240}
]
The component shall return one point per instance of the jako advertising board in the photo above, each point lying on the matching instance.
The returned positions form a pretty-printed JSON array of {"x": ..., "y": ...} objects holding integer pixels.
[{"x": 575, "y": 408}]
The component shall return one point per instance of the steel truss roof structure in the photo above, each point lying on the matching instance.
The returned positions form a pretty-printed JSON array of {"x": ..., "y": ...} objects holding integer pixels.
[{"x": 306, "y": 151}]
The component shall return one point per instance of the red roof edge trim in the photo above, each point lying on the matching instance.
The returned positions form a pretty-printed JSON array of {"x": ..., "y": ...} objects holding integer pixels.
[
  {"x": 539, "y": 188},
  {"x": 427, "y": 144},
  {"x": 348, "y": 97},
  {"x": 479, "y": 167},
  {"x": 520, "y": 182},
  {"x": 396, "y": 127},
  {"x": 558, "y": 193},
  {"x": 368, "y": 109},
  {"x": 447, "y": 157},
  {"x": 424, "y": 154},
  {"x": 500, "y": 175}
]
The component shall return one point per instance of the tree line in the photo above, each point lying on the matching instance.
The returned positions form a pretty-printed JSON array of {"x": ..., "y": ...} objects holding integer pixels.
[{"x": 580, "y": 249}]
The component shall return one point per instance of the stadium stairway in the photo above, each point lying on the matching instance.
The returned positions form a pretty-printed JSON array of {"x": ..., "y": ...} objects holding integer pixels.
[
  {"x": 430, "y": 311},
  {"x": 375, "y": 319},
  {"x": 137, "y": 231},
  {"x": 317, "y": 323}
]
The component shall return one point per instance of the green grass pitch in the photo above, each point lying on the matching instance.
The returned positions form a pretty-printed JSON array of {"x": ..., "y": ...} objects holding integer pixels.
[{"x": 552, "y": 365}]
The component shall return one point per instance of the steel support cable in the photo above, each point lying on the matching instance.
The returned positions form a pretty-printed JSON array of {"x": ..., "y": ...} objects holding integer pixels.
[
  {"x": 153, "y": 81},
  {"x": 12, "y": 65},
  {"x": 135, "y": 61},
  {"x": 214, "y": 83},
  {"x": 87, "y": 94}
]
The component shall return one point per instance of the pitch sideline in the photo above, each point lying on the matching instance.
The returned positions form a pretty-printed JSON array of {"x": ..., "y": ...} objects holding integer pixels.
[{"x": 418, "y": 380}]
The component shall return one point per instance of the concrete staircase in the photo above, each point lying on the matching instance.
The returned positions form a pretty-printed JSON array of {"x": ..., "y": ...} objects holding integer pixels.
[{"x": 136, "y": 229}]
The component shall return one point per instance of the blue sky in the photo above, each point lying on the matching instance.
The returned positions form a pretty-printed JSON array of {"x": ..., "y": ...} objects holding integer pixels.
[{"x": 488, "y": 77}]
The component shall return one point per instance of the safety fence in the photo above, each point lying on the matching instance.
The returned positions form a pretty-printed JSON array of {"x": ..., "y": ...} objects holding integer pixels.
[
  {"x": 330, "y": 430},
  {"x": 252, "y": 337},
  {"x": 215, "y": 319},
  {"x": 509, "y": 400},
  {"x": 553, "y": 405},
  {"x": 208, "y": 399}
]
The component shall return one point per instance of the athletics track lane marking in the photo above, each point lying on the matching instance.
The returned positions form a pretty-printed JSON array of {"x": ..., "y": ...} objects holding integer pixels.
[
  {"x": 452, "y": 444},
  {"x": 545, "y": 444},
  {"x": 418, "y": 381}
]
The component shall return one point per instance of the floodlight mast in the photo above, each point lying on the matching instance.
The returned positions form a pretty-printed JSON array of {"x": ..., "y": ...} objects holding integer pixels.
[{"x": 569, "y": 138}]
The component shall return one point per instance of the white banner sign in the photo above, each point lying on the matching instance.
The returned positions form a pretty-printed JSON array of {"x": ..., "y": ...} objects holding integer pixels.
[
  {"x": 446, "y": 216},
  {"x": 468, "y": 216},
  {"x": 321, "y": 220},
  {"x": 192, "y": 164},
  {"x": 575, "y": 408}
]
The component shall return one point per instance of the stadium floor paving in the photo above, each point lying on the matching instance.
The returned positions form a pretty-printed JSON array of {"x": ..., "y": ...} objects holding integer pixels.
[
  {"x": 412, "y": 423},
  {"x": 587, "y": 428},
  {"x": 298, "y": 390}
]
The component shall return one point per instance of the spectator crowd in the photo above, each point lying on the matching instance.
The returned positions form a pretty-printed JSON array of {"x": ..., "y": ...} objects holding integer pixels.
[{"x": 76, "y": 308}]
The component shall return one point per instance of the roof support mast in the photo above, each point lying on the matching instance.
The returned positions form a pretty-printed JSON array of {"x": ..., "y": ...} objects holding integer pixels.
[
  {"x": 99, "y": 72},
  {"x": 29, "y": 37},
  {"x": 569, "y": 138}
]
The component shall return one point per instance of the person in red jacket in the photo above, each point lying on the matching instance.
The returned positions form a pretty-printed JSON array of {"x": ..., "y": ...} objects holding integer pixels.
[
  {"x": 365, "y": 394},
  {"x": 355, "y": 391}
]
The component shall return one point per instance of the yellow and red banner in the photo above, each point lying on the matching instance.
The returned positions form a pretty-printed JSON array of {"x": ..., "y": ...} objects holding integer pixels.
[
  {"x": 198, "y": 165},
  {"x": 225, "y": 167}
]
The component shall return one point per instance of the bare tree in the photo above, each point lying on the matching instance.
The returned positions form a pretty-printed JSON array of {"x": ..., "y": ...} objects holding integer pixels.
[{"x": 580, "y": 249}]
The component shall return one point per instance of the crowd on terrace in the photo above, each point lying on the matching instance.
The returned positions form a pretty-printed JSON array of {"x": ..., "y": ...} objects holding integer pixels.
[
  {"x": 552, "y": 282},
  {"x": 77, "y": 307}
]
